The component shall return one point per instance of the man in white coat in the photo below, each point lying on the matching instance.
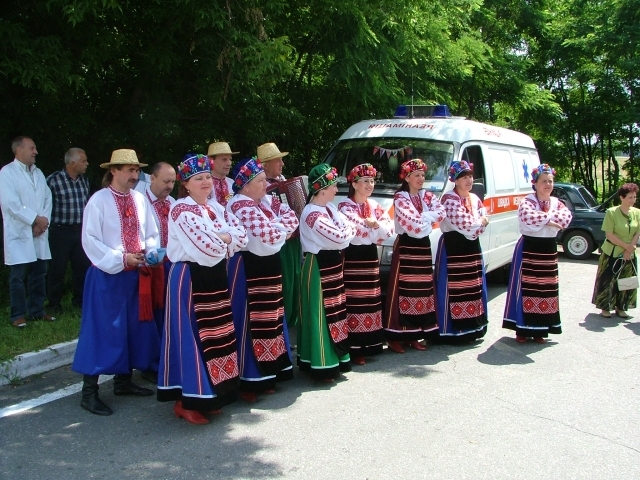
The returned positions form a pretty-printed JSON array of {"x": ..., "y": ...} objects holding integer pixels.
[{"x": 26, "y": 209}]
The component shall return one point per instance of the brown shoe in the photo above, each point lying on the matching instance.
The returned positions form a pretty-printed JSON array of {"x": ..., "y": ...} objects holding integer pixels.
[{"x": 19, "y": 323}]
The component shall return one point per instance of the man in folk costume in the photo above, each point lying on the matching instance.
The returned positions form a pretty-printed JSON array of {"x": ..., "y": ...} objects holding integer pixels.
[
  {"x": 220, "y": 155},
  {"x": 256, "y": 288},
  {"x": 120, "y": 237},
  {"x": 291, "y": 253},
  {"x": 157, "y": 193}
]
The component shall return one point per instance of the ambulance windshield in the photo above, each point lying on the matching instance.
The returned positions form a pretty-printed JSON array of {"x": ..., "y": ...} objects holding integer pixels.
[{"x": 387, "y": 154}]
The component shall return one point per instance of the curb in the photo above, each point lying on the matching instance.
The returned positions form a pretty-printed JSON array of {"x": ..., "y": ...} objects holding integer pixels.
[{"x": 33, "y": 363}]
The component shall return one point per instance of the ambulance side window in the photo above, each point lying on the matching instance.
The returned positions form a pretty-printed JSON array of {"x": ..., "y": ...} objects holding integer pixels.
[{"x": 473, "y": 154}]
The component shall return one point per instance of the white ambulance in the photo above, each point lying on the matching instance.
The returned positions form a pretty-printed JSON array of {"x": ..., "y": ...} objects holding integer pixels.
[{"x": 502, "y": 163}]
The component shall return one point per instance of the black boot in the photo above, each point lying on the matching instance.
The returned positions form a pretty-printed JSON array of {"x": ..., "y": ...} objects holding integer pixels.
[
  {"x": 90, "y": 400},
  {"x": 122, "y": 385}
]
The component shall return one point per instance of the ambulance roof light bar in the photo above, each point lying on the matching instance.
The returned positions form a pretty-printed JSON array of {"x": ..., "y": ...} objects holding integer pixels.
[{"x": 422, "y": 111}]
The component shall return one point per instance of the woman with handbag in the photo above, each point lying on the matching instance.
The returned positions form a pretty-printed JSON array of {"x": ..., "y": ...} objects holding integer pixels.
[
  {"x": 532, "y": 307},
  {"x": 618, "y": 259}
]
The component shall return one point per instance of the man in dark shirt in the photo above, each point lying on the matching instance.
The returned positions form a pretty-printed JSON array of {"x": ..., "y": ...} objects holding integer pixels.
[{"x": 70, "y": 191}]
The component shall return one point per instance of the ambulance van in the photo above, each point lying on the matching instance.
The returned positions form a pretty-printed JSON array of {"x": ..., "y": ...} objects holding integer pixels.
[{"x": 502, "y": 163}]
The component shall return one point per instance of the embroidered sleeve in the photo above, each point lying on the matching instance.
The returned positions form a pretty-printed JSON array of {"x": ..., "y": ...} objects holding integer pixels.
[
  {"x": 256, "y": 223},
  {"x": 407, "y": 215},
  {"x": 238, "y": 233},
  {"x": 107, "y": 259},
  {"x": 385, "y": 228},
  {"x": 460, "y": 219},
  {"x": 561, "y": 215},
  {"x": 329, "y": 234},
  {"x": 434, "y": 210},
  {"x": 288, "y": 218},
  {"x": 199, "y": 234},
  {"x": 530, "y": 215},
  {"x": 351, "y": 211}
]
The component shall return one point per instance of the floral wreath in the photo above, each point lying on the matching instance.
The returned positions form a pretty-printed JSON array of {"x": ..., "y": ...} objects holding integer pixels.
[
  {"x": 360, "y": 171},
  {"x": 410, "y": 166}
]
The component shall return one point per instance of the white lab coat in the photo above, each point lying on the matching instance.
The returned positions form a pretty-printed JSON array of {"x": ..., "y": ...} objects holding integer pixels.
[{"x": 22, "y": 198}]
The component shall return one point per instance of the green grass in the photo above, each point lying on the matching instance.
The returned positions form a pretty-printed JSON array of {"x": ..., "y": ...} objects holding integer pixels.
[{"x": 36, "y": 335}]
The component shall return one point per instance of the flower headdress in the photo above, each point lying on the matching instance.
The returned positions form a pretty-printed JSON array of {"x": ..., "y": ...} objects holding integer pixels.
[
  {"x": 410, "y": 166},
  {"x": 192, "y": 164},
  {"x": 244, "y": 171},
  {"x": 320, "y": 177},
  {"x": 359, "y": 171},
  {"x": 458, "y": 167}
]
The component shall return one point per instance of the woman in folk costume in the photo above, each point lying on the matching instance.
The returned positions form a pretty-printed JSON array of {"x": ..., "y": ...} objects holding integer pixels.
[
  {"x": 411, "y": 313},
  {"x": 361, "y": 265},
  {"x": 532, "y": 308},
  {"x": 323, "y": 343},
  {"x": 198, "y": 358},
  {"x": 256, "y": 282},
  {"x": 618, "y": 259},
  {"x": 461, "y": 291}
]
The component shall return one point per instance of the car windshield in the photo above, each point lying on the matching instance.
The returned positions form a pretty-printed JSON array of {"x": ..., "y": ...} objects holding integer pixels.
[
  {"x": 387, "y": 154},
  {"x": 588, "y": 198}
]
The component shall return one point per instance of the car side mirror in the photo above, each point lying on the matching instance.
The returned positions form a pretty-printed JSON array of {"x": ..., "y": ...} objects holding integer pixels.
[{"x": 478, "y": 190}]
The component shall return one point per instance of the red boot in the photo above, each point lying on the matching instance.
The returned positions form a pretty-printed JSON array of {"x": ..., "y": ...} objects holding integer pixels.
[
  {"x": 416, "y": 345},
  {"x": 250, "y": 397},
  {"x": 395, "y": 347},
  {"x": 521, "y": 339},
  {"x": 358, "y": 360},
  {"x": 192, "y": 416}
]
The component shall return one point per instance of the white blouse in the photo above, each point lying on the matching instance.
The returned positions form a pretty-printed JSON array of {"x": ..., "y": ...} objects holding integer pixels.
[
  {"x": 533, "y": 219},
  {"x": 193, "y": 233},
  {"x": 459, "y": 219},
  {"x": 416, "y": 214},
  {"x": 107, "y": 235},
  {"x": 324, "y": 228},
  {"x": 267, "y": 222},
  {"x": 358, "y": 212}
]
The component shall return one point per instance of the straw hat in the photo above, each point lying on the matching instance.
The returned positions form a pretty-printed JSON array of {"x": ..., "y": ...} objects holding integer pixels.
[
  {"x": 219, "y": 148},
  {"x": 123, "y": 157},
  {"x": 269, "y": 151}
]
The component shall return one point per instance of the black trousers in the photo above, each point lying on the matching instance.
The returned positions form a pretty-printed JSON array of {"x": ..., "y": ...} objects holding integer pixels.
[{"x": 65, "y": 242}]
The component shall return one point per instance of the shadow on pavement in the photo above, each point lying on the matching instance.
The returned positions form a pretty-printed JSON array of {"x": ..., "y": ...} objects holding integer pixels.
[
  {"x": 634, "y": 327},
  {"x": 506, "y": 351},
  {"x": 594, "y": 322}
]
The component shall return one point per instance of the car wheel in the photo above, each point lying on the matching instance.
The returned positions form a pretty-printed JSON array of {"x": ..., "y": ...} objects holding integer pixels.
[{"x": 578, "y": 245}]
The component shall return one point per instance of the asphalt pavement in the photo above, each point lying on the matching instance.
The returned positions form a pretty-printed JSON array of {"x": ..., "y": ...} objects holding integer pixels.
[{"x": 492, "y": 410}]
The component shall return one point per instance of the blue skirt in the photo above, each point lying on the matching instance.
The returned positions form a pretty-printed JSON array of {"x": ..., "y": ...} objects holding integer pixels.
[
  {"x": 183, "y": 374},
  {"x": 112, "y": 340}
]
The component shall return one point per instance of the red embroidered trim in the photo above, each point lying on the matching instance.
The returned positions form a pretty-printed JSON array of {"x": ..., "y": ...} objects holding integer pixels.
[
  {"x": 129, "y": 223},
  {"x": 185, "y": 207}
]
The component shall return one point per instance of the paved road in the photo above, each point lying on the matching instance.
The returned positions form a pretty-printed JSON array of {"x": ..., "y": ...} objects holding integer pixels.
[{"x": 497, "y": 409}]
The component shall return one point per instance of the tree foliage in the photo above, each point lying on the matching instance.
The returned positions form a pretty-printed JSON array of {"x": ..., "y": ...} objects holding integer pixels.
[{"x": 168, "y": 76}]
